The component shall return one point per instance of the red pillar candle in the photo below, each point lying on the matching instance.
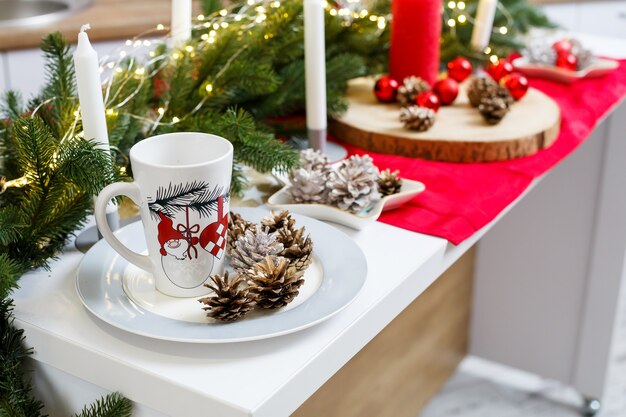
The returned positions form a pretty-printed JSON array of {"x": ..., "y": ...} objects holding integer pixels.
[{"x": 415, "y": 37}]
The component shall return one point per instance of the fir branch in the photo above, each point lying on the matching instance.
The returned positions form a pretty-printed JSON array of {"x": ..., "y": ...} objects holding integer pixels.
[
  {"x": 16, "y": 398},
  {"x": 11, "y": 106},
  {"x": 35, "y": 150},
  {"x": 59, "y": 90},
  {"x": 12, "y": 224},
  {"x": 113, "y": 405},
  {"x": 10, "y": 271}
]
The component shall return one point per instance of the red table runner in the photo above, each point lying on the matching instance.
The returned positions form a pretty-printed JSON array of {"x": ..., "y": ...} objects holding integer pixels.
[{"x": 462, "y": 198}]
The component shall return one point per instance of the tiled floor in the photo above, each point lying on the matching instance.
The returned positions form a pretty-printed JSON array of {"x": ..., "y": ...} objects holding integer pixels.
[{"x": 484, "y": 389}]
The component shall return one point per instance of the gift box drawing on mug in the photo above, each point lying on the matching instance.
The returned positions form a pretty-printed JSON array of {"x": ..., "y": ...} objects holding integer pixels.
[{"x": 191, "y": 230}]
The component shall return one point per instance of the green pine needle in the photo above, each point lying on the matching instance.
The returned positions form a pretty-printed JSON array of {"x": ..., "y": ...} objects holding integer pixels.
[{"x": 112, "y": 405}]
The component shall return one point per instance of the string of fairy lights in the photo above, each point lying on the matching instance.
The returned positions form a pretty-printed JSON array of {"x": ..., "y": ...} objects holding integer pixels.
[
  {"x": 455, "y": 14},
  {"x": 137, "y": 59}
]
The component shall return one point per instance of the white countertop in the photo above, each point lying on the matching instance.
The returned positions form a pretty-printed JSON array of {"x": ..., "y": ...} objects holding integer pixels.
[{"x": 263, "y": 378}]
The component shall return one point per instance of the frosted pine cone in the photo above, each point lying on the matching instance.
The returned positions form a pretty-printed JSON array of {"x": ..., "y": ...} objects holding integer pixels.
[
  {"x": 352, "y": 186},
  {"x": 417, "y": 118},
  {"x": 229, "y": 302},
  {"x": 237, "y": 226},
  {"x": 389, "y": 183},
  {"x": 273, "y": 283},
  {"x": 307, "y": 186},
  {"x": 253, "y": 246},
  {"x": 410, "y": 88},
  {"x": 313, "y": 160}
]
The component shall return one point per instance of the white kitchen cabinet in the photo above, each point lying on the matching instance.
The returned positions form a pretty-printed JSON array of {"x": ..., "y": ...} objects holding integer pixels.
[
  {"x": 603, "y": 18},
  {"x": 565, "y": 15},
  {"x": 3, "y": 73}
]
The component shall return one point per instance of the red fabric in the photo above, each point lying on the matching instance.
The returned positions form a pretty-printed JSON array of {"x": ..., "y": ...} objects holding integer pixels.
[{"x": 462, "y": 198}]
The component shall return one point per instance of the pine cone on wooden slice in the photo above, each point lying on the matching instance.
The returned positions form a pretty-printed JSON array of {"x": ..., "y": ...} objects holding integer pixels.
[
  {"x": 279, "y": 220},
  {"x": 493, "y": 109},
  {"x": 229, "y": 302},
  {"x": 410, "y": 88},
  {"x": 273, "y": 283},
  {"x": 255, "y": 244},
  {"x": 480, "y": 87},
  {"x": 237, "y": 226},
  {"x": 298, "y": 248},
  {"x": 307, "y": 186},
  {"x": 389, "y": 183},
  {"x": 417, "y": 118},
  {"x": 352, "y": 186}
]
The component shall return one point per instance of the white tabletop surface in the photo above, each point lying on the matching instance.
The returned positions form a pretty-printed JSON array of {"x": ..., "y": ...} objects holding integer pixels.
[{"x": 263, "y": 378}]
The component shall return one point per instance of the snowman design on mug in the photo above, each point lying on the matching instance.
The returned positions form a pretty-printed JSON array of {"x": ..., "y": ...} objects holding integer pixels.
[{"x": 189, "y": 241}]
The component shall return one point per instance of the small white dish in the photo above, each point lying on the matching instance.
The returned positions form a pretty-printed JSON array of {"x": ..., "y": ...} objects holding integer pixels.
[
  {"x": 597, "y": 68},
  {"x": 282, "y": 200},
  {"x": 124, "y": 296}
]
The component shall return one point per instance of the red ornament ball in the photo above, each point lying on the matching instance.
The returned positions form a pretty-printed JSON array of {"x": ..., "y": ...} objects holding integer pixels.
[
  {"x": 567, "y": 60},
  {"x": 386, "y": 89},
  {"x": 459, "y": 68},
  {"x": 446, "y": 89},
  {"x": 517, "y": 85},
  {"x": 513, "y": 56},
  {"x": 429, "y": 100},
  {"x": 500, "y": 69},
  {"x": 564, "y": 45}
]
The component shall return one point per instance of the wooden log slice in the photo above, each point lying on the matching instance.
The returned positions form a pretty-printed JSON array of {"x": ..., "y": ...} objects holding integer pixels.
[{"x": 459, "y": 135}]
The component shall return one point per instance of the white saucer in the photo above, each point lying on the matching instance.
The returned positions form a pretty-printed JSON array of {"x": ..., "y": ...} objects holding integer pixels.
[{"x": 123, "y": 295}]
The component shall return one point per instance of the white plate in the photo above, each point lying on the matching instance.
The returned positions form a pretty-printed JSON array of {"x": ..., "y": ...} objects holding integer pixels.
[
  {"x": 282, "y": 200},
  {"x": 123, "y": 295},
  {"x": 597, "y": 68}
]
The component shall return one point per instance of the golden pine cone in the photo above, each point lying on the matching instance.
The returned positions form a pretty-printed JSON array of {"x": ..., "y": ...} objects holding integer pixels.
[
  {"x": 389, "y": 183},
  {"x": 273, "y": 283},
  {"x": 298, "y": 249},
  {"x": 229, "y": 302},
  {"x": 278, "y": 221}
]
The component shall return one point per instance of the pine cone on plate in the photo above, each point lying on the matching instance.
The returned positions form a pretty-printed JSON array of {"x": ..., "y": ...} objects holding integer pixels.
[
  {"x": 352, "y": 186},
  {"x": 237, "y": 226},
  {"x": 273, "y": 283},
  {"x": 493, "y": 109},
  {"x": 389, "y": 183},
  {"x": 410, "y": 88},
  {"x": 298, "y": 248},
  {"x": 417, "y": 118},
  {"x": 307, "y": 186},
  {"x": 229, "y": 302},
  {"x": 255, "y": 244},
  {"x": 313, "y": 160},
  {"x": 277, "y": 221}
]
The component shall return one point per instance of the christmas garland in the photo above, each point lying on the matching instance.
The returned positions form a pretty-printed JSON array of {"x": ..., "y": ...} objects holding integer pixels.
[{"x": 241, "y": 70}]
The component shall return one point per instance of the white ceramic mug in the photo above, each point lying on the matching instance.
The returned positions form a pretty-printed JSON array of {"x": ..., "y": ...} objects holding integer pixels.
[{"x": 181, "y": 185}]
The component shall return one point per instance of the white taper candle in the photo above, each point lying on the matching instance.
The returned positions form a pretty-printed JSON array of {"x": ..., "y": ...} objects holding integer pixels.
[
  {"x": 483, "y": 24},
  {"x": 181, "y": 21},
  {"x": 89, "y": 88},
  {"x": 315, "y": 70}
]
